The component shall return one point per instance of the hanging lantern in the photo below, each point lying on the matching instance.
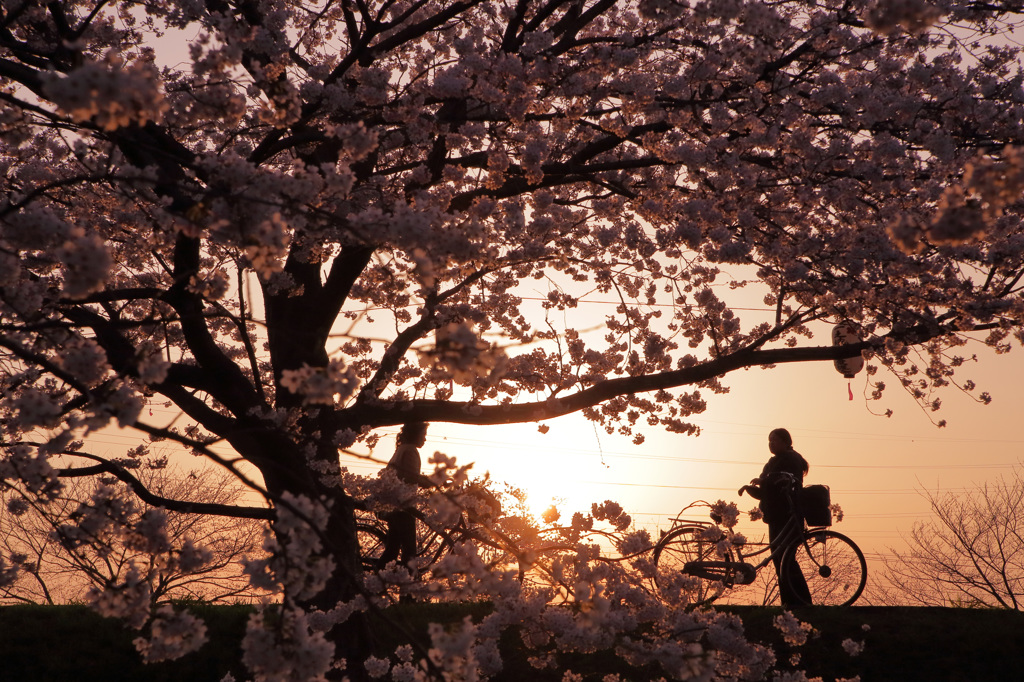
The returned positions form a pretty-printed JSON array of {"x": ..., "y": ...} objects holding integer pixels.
[{"x": 844, "y": 334}]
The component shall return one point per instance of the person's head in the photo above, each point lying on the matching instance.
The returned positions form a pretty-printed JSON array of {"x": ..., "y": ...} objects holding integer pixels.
[
  {"x": 779, "y": 440},
  {"x": 413, "y": 433}
]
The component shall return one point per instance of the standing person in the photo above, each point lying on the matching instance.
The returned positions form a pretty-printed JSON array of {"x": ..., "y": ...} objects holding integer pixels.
[
  {"x": 400, "y": 539},
  {"x": 775, "y": 508}
]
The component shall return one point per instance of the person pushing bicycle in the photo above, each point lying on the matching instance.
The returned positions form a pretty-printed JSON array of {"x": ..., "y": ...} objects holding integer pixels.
[
  {"x": 778, "y": 485},
  {"x": 400, "y": 541}
]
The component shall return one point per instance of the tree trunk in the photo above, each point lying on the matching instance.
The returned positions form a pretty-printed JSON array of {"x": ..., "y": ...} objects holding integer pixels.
[
  {"x": 351, "y": 638},
  {"x": 340, "y": 541}
]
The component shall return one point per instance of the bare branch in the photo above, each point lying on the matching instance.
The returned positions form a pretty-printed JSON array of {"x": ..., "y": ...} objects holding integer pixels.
[{"x": 104, "y": 466}]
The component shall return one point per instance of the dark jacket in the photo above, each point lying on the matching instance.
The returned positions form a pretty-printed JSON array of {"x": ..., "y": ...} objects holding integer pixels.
[{"x": 772, "y": 491}]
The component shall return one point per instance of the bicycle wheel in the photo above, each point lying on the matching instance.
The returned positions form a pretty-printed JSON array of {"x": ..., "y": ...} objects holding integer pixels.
[
  {"x": 831, "y": 564},
  {"x": 679, "y": 547},
  {"x": 371, "y": 544},
  {"x": 495, "y": 552}
]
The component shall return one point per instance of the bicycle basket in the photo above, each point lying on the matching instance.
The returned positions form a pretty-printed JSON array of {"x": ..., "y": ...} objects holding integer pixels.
[{"x": 814, "y": 505}]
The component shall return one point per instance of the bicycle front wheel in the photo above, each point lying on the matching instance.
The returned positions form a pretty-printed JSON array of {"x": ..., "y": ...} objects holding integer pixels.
[
  {"x": 832, "y": 566},
  {"x": 678, "y": 548}
]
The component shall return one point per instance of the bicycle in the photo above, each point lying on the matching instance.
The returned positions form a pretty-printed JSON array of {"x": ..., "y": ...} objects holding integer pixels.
[
  {"x": 434, "y": 541},
  {"x": 831, "y": 563}
]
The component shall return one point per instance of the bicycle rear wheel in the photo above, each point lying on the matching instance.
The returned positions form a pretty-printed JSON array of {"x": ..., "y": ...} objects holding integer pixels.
[
  {"x": 831, "y": 564},
  {"x": 679, "y": 547},
  {"x": 371, "y": 544}
]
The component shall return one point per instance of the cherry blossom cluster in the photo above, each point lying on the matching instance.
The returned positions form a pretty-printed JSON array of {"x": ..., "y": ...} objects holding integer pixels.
[
  {"x": 296, "y": 564},
  {"x": 321, "y": 385},
  {"x": 613, "y": 513},
  {"x": 109, "y": 513},
  {"x": 610, "y": 599},
  {"x": 109, "y": 92},
  {"x": 86, "y": 263},
  {"x": 288, "y": 650},
  {"x": 886, "y": 16},
  {"x": 794, "y": 632},
  {"x": 172, "y": 635},
  {"x": 8, "y": 571},
  {"x": 129, "y": 600},
  {"x": 460, "y": 354}
]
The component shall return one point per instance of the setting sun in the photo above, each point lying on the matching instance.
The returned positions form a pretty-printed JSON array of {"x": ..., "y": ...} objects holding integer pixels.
[{"x": 561, "y": 466}]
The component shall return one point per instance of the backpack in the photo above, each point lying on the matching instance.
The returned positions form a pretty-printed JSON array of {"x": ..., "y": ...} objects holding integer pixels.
[{"x": 814, "y": 505}]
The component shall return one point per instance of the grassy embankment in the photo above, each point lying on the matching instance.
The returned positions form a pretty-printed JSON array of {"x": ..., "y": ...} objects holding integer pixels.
[{"x": 904, "y": 644}]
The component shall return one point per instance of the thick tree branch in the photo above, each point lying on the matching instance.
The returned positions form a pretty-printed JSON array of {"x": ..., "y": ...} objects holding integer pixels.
[
  {"x": 233, "y": 389},
  {"x": 22, "y": 74},
  {"x": 471, "y": 413}
]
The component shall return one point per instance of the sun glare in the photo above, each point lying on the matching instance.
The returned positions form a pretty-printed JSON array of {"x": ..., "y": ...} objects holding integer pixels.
[{"x": 559, "y": 465}]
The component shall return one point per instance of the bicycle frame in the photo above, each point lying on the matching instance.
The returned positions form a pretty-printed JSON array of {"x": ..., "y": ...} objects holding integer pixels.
[
  {"x": 792, "y": 535},
  {"x": 741, "y": 572}
]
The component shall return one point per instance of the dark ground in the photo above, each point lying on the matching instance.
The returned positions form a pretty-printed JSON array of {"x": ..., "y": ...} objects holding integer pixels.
[{"x": 903, "y": 644}]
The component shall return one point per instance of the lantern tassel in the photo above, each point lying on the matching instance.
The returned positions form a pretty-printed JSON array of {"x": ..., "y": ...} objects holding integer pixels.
[{"x": 849, "y": 388}]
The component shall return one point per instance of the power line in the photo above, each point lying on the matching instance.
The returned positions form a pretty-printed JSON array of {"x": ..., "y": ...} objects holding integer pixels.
[
  {"x": 703, "y": 460},
  {"x": 839, "y": 491},
  {"x": 648, "y": 305},
  {"x": 367, "y": 467},
  {"x": 112, "y": 439}
]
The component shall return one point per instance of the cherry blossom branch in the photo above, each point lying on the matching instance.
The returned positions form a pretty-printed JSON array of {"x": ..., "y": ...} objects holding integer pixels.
[
  {"x": 22, "y": 74},
  {"x": 35, "y": 359},
  {"x": 389, "y": 363},
  {"x": 233, "y": 389},
  {"x": 158, "y": 433},
  {"x": 471, "y": 413},
  {"x": 243, "y": 332}
]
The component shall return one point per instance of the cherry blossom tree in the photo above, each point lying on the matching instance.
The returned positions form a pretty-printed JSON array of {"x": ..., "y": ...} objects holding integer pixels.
[
  {"x": 298, "y": 223},
  {"x": 970, "y": 553}
]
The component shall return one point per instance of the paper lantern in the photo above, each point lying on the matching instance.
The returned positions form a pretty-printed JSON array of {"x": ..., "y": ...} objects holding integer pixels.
[{"x": 844, "y": 334}]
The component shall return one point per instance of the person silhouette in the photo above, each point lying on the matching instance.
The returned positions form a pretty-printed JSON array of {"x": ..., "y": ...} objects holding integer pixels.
[
  {"x": 774, "y": 490},
  {"x": 400, "y": 538}
]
